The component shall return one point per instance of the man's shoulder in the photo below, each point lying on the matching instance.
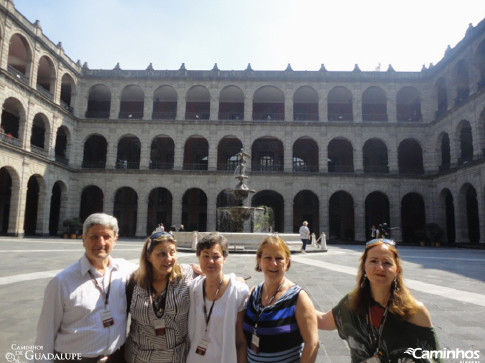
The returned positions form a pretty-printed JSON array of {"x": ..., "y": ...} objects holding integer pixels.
[{"x": 124, "y": 266}]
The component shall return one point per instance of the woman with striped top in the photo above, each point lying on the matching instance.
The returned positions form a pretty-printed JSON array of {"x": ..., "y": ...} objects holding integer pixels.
[
  {"x": 280, "y": 324},
  {"x": 160, "y": 304}
]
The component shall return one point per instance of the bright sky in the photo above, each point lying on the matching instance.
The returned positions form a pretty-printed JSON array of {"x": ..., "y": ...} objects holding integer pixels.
[{"x": 269, "y": 34}]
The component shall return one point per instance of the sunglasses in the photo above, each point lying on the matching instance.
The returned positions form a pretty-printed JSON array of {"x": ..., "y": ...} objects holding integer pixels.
[
  {"x": 389, "y": 242},
  {"x": 155, "y": 236}
]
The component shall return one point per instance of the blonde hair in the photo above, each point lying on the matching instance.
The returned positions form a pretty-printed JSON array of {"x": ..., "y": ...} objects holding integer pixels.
[
  {"x": 276, "y": 240},
  {"x": 144, "y": 274},
  {"x": 402, "y": 302}
]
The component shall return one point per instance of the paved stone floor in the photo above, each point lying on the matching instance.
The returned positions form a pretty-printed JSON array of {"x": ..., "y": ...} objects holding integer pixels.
[{"x": 451, "y": 283}]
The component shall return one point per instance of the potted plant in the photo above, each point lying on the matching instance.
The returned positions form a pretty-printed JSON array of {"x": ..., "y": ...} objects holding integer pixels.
[{"x": 72, "y": 227}]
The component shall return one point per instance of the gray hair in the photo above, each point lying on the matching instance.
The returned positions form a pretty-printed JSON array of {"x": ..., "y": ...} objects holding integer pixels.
[{"x": 102, "y": 219}]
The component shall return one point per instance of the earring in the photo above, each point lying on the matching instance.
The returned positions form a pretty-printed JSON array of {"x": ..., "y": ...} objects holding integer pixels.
[
  {"x": 364, "y": 281},
  {"x": 396, "y": 288}
]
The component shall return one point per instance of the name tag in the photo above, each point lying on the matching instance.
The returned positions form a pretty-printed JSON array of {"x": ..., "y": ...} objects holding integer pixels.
[
  {"x": 255, "y": 343},
  {"x": 202, "y": 346},
  {"x": 159, "y": 327},
  {"x": 107, "y": 318}
]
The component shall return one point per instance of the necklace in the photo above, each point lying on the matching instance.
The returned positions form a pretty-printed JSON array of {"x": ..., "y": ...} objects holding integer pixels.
[{"x": 274, "y": 295}]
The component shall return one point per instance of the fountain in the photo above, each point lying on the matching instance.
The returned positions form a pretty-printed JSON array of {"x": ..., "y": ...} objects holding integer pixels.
[{"x": 239, "y": 218}]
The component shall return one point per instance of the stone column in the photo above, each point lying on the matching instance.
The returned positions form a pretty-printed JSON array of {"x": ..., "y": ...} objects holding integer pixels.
[
  {"x": 357, "y": 104},
  {"x": 181, "y": 105},
  {"x": 211, "y": 205},
  {"x": 289, "y": 105},
  {"x": 288, "y": 215},
  {"x": 359, "y": 218},
  {"x": 248, "y": 106},
  {"x": 177, "y": 203},
  {"x": 148, "y": 105},
  {"x": 395, "y": 213},
  {"x": 17, "y": 209},
  {"x": 481, "y": 213},
  {"x": 43, "y": 212},
  {"x": 142, "y": 210},
  {"x": 214, "y": 106}
]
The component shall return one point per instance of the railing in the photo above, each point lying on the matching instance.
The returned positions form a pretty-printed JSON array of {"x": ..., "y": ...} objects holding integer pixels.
[
  {"x": 275, "y": 168},
  {"x": 376, "y": 169},
  {"x": 39, "y": 150},
  {"x": 197, "y": 115},
  {"x": 164, "y": 115},
  {"x": 374, "y": 117},
  {"x": 125, "y": 164},
  {"x": 97, "y": 114},
  {"x": 94, "y": 164},
  {"x": 409, "y": 117},
  {"x": 62, "y": 160},
  {"x": 131, "y": 115},
  {"x": 305, "y": 116},
  {"x": 340, "y": 116},
  {"x": 20, "y": 76},
  {"x": 45, "y": 92},
  {"x": 67, "y": 107},
  {"x": 268, "y": 116},
  {"x": 341, "y": 168},
  {"x": 231, "y": 115},
  {"x": 227, "y": 166},
  {"x": 195, "y": 166},
  {"x": 160, "y": 166},
  {"x": 305, "y": 168},
  {"x": 9, "y": 139}
]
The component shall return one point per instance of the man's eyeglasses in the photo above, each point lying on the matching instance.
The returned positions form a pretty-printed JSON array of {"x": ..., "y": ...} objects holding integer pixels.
[{"x": 389, "y": 242}]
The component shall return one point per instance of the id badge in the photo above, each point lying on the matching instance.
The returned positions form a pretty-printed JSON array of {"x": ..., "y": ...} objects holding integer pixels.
[
  {"x": 255, "y": 343},
  {"x": 159, "y": 327},
  {"x": 107, "y": 318},
  {"x": 202, "y": 346}
]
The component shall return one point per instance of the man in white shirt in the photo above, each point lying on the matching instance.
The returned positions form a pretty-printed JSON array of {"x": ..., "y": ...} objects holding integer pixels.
[{"x": 84, "y": 310}]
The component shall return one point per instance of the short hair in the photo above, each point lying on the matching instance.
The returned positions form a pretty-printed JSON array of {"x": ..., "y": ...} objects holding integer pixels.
[
  {"x": 305, "y": 223},
  {"x": 277, "y": 241},
  {"x": 212, "y": 239},
  {"x": 144, "y": 274},
  {"x": 102, "y": 219}
]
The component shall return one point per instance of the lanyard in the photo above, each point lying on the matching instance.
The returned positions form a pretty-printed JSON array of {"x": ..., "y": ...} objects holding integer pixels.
[
  {"x": 208, "y": 317},
  {"x": 262, "y": 308},
  {"x": 159, "y": 314},
  {"x": 106, "y": 295},
  {"x": 381, "y": 328}
]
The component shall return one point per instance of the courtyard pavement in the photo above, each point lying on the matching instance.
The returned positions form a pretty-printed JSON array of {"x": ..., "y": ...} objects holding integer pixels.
[{"x": 450, "y": 282}]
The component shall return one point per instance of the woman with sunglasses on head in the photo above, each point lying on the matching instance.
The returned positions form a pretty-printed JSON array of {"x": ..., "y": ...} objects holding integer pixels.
[
  {"x": 159, "y": 303},
  {"x": 217, "y": 309},
  {"x": 380, "y": 319}
]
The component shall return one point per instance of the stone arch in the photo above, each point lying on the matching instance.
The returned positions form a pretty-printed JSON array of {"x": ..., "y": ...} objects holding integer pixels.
[
  {"x": 305, "y": 104},
  {"x": 305, "y": 155},
  {"x": 35, "y": 188},
  {"x": 408, "y": 105},
  {"x": 20, "y": 57},
  {"x": 46, "y": 76},
  {"x": 197, "y": 105},
  {"x": 274, "y": 205},
  {"x": 95, "y": 152},
  {"x": 374, "y": 104},
  {"x": 92, "y": 201},
  {"x": 447, "y": 214},
  {"x": 339, "y": 104},
  {"x": 99, "y": 102},
  {"x": 267, "y": 155},
  {"x": 444, "y": 151},
  {"x": 196, "y": 153},
  {"x": 410, "y": 157},
  {"x": 341, "y": 216},
  {"x": 465, "y": 142},
  {"x": 194, "y": 210},
  {"x": 306, "y": 207},
  {"x": 62, "y": 146},
  {"x": 469, "y": 214},
  {"x": 165, "y": 103},
  {"x": 162, "y": 152},
  {"x": 227, "y": 150},
  {"x": 268, "y": 104},
  {"x": 413, "y": 217},
  {"x": 159, "y": 209},
  {"x": 39, "y": 136},
  {"x": 125, "y": 209},
  {"x": 68, "y": 92},
  {"x": 375, "y": 157},
  {"x": 231, "y": 103},
  {"x": 461, "y": 78},
  {"x": 58, "y": 203},
  {"x": 441, "y": 94},
  {"x": 128, "y": 152},
  {"x": 13, "y": 119},
  {"x": 377, "y": 212},
  {"x": 340, "y": 156},
  {"x": 132, "y": 102}
]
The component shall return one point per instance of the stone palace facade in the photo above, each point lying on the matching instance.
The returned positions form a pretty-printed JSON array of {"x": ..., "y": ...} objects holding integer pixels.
[{"x": 344, "y": 150}]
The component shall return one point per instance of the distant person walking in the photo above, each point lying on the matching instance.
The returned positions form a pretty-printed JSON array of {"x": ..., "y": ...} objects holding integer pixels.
[{"x": 304, "y": 235}]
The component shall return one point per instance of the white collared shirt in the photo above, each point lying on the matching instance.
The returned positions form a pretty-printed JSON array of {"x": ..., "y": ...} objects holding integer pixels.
[{"x": 70, "y": 320}]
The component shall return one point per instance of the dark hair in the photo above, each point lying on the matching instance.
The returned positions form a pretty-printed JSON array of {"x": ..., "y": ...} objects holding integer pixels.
[
  {"x": 212, "y": 239},
  {"x": 276, "y": 240}
]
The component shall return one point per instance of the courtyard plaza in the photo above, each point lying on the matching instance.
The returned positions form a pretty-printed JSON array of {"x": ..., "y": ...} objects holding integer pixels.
[{"x": 449, "y": 281}]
